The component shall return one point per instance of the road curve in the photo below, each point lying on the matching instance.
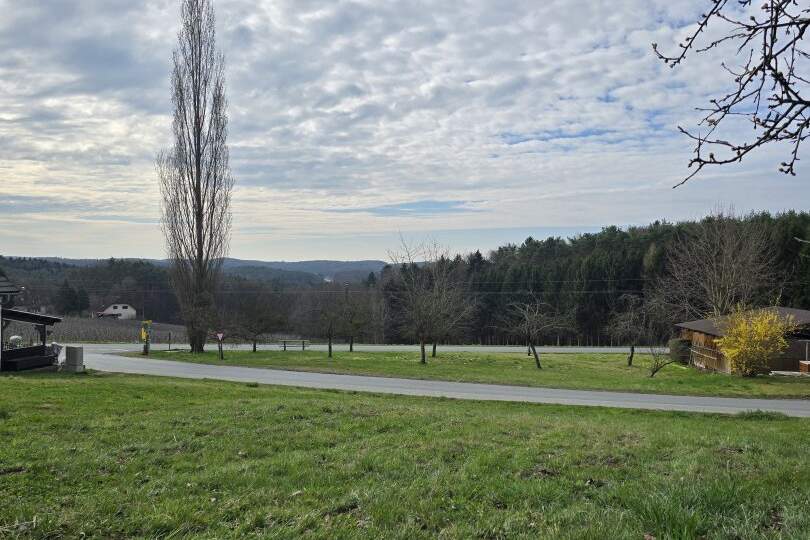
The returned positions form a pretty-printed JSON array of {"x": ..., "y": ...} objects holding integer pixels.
[{"x": 106, "y": 359}]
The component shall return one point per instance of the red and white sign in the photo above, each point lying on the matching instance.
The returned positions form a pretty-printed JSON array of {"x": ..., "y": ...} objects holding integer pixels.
[{"x": 220, "y": 335}]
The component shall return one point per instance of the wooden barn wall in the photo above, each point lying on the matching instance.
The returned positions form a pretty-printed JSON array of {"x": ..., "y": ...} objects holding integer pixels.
[{"x": 705, "y": 355}]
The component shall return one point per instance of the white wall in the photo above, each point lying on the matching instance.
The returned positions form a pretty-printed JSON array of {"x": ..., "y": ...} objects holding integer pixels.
[{"x": 125, "y": 310}]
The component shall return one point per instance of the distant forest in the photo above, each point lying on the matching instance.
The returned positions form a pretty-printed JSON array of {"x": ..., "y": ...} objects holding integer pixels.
[{"x": 587, "y": 276}]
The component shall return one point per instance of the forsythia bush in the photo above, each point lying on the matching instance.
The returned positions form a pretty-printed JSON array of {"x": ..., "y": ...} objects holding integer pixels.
[{"x": 752, "y": 338}]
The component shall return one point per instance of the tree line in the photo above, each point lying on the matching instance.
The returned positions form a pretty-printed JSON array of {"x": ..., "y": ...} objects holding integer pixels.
[
  {"x": 617, "y": 286},
  {"x": 593, "y": 289}
]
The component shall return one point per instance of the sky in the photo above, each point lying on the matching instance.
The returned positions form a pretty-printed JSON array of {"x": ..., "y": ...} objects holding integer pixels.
[{"x": 352, "y": 124}]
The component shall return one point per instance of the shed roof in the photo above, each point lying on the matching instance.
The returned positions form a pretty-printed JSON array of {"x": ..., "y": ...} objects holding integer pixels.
[
  {"x": 801, "y": 317},
  {"x": 7, "y": 287},
  {"x": 26, "y": 317}
]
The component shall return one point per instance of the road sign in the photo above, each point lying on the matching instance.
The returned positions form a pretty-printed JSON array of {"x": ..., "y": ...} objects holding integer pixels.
[{"x": 220, "y": 335}]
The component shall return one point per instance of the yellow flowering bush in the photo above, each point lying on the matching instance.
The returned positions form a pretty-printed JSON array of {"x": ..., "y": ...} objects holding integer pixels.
[{"x": 752, "y": 338}]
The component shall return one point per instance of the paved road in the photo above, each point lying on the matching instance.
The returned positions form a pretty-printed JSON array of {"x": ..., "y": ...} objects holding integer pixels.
[{"x": 104, "y": 358}]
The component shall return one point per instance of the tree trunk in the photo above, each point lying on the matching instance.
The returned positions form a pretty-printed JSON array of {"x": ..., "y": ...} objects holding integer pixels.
[
  {"x": 422, "y": 349},
  {"x": 329, "y": 331},
  {"x": 630, "y": 357},
  {"x": 196, "y": 339},
  {"x": 433, "y": 354},
  {"x": 536, "y": 356},
  {"x": 351, "y": 343},
  {"x": 254, "y": 345}
]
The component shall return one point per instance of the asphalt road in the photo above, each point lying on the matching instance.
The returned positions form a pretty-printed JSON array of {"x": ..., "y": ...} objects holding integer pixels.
[{"x": 105, "y": 358}]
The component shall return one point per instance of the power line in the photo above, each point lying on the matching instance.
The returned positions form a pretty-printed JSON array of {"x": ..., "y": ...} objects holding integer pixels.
[
  {"x": 343, "y": 291},
  {"x": 504, "y": 282}
]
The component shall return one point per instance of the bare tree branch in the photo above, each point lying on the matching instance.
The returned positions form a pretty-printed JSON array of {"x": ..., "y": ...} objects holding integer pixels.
[{"x": 769, "y": 86}]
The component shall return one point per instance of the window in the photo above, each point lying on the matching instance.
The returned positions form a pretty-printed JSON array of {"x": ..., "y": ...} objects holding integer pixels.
[
  {"x": 124, "y": 307},
  {"x": 115, "y": 307}
]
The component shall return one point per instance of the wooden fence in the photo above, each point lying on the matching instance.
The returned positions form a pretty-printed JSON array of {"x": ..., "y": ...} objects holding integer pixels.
[{"x": 708, "y": 358}]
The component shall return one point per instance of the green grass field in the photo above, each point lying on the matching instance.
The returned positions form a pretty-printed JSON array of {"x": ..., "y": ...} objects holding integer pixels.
[
  {"x": 113, "y": 456},
  {"x": 584, "y": 371}
]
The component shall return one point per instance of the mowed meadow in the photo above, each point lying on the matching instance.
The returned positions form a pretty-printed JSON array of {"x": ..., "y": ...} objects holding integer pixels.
[
  {"x": 114, "y": 456},
  {"x": 588, "y": 371}
]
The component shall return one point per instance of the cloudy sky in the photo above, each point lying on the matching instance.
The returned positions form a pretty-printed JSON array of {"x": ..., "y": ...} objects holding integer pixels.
[{"x": 474, "y": 122}]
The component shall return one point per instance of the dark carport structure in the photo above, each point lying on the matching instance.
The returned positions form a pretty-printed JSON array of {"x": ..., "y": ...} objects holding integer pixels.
[
  {"x": 7, "y": 289},
  {"x": 26, "y": 357}
]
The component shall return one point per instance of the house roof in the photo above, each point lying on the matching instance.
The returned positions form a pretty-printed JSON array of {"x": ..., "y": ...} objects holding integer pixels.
[
  {"x": 7, "y": 287},
  {"x": 31, "y": 318},
  {"x": 801, "y": 317}
]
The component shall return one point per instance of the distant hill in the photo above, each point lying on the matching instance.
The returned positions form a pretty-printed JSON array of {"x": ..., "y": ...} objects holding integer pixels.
[
  {"x": 22, "y": 270},
  {"x": 263, "y": 270},
  {"x": 145, "y": 284},
  {"x": 326, "y": 270},
  {"x": 282, "y": 277}
]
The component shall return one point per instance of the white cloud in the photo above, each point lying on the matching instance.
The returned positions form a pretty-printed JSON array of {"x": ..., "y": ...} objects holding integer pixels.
[{"x": 538, "y": 114}]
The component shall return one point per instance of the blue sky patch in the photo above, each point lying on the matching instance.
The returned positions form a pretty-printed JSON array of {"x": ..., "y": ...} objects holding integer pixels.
[
  {"x": 519, "y": 138},
  {"x": 414, "y": 208}
]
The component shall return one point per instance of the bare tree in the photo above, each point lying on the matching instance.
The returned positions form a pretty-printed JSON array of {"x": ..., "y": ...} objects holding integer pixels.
[
  {"x": 770, "y": 87},
  {"x": 358, "y": 313},
  {"x": 413, "y": 297},
  {"x": 630, "y": 323},
  {"x": 638, "y": 320},
  {"x": 254, "y": 314},
  {"x": 417, "y": 293},
  {"x": 429, "y": 294},
  {"x": 379, "y": 313},
  {"x": 452, "y": 309},
  {"x": 533, "y": 321},
  {"x": 320, "y": 312},
  {"x": 722, "y": 262},
  {"x": 194, "y": 174}
]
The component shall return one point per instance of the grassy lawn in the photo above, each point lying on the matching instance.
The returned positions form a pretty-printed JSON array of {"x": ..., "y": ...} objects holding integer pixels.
[
  {"x": 113, "y": 456},
  {"x": 585, "y": 371}
]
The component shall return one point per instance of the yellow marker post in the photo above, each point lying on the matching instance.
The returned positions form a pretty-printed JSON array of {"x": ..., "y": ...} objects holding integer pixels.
[{"x": 146, "y": 331}]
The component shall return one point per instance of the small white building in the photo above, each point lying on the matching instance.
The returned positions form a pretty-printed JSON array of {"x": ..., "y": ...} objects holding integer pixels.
[{"x": 119, "y": 311}]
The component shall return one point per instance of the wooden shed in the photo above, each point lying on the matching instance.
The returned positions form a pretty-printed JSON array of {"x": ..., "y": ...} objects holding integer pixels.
[
  {"x": 35, "y": 356},
  {"x": 703, "y": 334}
]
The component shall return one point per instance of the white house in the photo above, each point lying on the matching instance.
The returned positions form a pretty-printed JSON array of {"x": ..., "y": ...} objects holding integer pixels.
[{"x": 119, "y": 311}]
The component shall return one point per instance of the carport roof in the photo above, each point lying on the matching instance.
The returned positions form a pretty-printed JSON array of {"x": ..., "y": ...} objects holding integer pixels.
[
  {"x": 7, "y": 287},
  {"x": 30, "y": 318}
]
